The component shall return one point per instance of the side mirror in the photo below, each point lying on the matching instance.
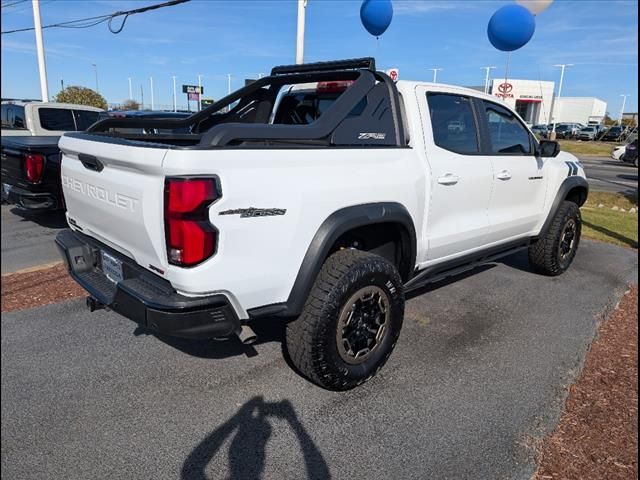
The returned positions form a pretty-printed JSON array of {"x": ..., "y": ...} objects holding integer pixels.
[{"x": 548, "y": 148}]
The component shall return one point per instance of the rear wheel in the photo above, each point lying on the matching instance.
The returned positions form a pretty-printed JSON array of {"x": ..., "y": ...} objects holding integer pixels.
[
  {"x": 553, "y": 253},
  {"x": 351, "y": 321}
]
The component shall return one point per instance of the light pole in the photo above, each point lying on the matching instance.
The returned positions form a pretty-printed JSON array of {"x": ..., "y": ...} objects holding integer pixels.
[
  {"x": 130, "y": 90},
  {"x": 228, "y": 84},
  {"x": 553, "y": 104},
  {"x": 153, "y": 107},
  {"x": 95, "y": 67},
  {"x": 174, "y": 93},
  {"x": 435, "y": 73},
  {"x": 486, "y": 78},
  {"x": 199, "y": 92},
  {"x": 42, "y": 68},
  {"x": 302, "y": 5},
  {"x": 624, "y": 101}
]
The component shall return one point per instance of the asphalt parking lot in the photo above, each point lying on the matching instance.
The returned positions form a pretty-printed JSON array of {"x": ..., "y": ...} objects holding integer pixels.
[
  {"x": 479, "y": 372},
  {"x": 608, "y": 175}
]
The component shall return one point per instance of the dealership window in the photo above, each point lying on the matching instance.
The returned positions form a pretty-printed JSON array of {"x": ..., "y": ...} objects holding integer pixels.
[
  {"x": 507, "y": 134},
  {"x": 454, "y": 127}
]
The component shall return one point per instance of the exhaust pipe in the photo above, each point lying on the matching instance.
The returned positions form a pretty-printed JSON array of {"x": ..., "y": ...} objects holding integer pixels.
[
  {"x": 246, "y": 335},
  {"x": 93, "y": 304}
]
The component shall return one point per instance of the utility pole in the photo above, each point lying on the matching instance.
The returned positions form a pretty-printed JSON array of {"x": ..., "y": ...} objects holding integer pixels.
[
  {"x": 153, "y": 107},
  {"x": 141, "y": 98},
  {"x": 435, "y": 73},
  {"x": 302, "y": 6},
  {"x": 61, "y": 84},
  {"x": 228, "y": 83},
  {"x": 174, "y": 93},
  {"x": 624, "y": 102},
  {"x": 486, "y": 78},
  {"x": 130, "y": 90},
  {"x": 199, "y": 92},
  {"x": 95, "y": 67},
  {"x": 44, "y": 88},
  {"x": 553, "y": 104}
]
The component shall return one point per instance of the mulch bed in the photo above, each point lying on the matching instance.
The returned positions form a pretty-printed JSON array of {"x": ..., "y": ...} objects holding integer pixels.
[
  {"x": 597, "y": 437},
  {"x": 34, "y": 289}
]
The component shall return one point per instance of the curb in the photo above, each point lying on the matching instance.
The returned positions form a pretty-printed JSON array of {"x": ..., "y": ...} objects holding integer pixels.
[{"x": 34, "y": 269}]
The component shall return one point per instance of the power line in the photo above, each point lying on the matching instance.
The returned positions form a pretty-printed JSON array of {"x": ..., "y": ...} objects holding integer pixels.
[
  {"x": 93, "y": 21},
  {"x": 12, "y": 4}
]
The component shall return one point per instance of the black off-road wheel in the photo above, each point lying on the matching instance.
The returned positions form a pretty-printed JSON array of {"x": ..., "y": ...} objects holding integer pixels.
[
  {"x": 350, "y": 322},
  {"x": 553, "y": 253}
]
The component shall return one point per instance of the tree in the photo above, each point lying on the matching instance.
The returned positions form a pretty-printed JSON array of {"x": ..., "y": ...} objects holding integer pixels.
[
  {"x": 81, "y": 96},
  {"x": 130, "y": 105}
]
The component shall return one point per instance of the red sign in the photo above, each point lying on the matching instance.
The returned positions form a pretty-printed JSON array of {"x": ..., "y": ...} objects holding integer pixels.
[
  {"x": 193, "y": 96},
  {"x": 393, "y": 74}
]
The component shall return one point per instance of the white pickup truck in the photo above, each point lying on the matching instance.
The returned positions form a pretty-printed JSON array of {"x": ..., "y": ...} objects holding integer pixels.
[{"x": 322, "y": 193}]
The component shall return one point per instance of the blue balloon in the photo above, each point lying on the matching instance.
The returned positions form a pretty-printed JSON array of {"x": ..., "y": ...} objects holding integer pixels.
[
  {"x": 376, "y": 16},
  {"x": 511, "y": 27}
]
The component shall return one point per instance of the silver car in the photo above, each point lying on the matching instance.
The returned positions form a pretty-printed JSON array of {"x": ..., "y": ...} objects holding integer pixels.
[{"x": 587, "y": 133}]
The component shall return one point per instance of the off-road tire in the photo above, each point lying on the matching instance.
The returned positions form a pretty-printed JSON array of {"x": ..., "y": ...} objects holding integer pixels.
[
  {"x": 312, "y": 338},
  {"x": 544, "y": 253}
]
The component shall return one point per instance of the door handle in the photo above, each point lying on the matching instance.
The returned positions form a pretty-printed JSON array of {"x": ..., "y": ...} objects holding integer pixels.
[
  {"x": 504, "y": 175},
  {"x": 448, "y": 179}
]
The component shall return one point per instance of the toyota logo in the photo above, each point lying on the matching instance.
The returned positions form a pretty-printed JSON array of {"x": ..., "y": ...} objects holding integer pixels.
[{"x": 505, "y": 88}]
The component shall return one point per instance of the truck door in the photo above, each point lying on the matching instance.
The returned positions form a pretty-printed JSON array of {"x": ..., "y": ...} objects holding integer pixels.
[
  {"x": 457, "y": 219},
  {"x": 519, "y": 184}
]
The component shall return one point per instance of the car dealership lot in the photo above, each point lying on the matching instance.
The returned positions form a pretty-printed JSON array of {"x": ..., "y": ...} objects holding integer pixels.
[{"x": 480, "y": 370}]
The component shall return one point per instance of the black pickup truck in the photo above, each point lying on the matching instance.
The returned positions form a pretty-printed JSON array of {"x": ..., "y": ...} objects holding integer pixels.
[
  {"x": 31, "y": 172},
  {"x": 30, "y": 165}
]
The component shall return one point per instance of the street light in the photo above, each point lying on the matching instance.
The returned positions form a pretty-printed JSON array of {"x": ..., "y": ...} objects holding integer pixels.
[
  {"x": 95, "y": 67},
  {"x": 199, "y": 92},
  {"x": 130, "y": 90},
  {"x": 228, "y": 84},
  {"x": 174, "y": 93},
  {"x": 435, "y": 73},
  {"x": 486, "y": 78},
  {"x": 624, "y": 101},
  {"x": 151, "y": 85},
  {"x": 562, "y": 66}
]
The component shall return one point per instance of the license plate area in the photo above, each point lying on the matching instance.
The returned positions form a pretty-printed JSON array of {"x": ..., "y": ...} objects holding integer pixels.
[{"x": 111, "y": 267}]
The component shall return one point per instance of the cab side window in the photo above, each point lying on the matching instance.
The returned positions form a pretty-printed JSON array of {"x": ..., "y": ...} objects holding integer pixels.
[
  {"x": 507, "y": 134},
  {"x": 453, "y": 124}
]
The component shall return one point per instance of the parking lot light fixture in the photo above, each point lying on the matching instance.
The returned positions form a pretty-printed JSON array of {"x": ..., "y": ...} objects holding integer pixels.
[
  {"x": 624, "y": 102},
  {"x": 562, "y": 67},
  {"x": 435, "y": 73},
  {"x": 486, "y": 78}
]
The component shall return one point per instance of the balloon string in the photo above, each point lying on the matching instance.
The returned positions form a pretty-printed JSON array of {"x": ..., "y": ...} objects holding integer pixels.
[{"x": 506, "y": 70}]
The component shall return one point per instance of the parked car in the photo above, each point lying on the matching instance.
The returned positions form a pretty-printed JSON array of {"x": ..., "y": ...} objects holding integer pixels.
[
  {"x": 631, "y": 153},
  {"x": 614, "y": 134},
  {"x": 30, "y": 157},
  {"x": 323, "y": 208},
  {"x": 618, "y": 151},
  {"x": 540, "y": 130},
  {"x": 587, "y": 133},
  {"x": 565, "y": 130}
]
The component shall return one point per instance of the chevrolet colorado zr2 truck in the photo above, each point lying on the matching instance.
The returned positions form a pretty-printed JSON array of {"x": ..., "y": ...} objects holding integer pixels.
[{"x": 322, "y": 193}]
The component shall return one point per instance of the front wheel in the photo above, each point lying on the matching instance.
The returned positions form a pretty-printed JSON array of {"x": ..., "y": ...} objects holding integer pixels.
[
  {"x": 553, "y": 253},
  {"x": 350, "y": 322}
]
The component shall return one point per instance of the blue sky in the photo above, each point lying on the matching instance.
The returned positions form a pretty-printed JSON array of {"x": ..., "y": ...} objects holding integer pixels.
[{"x": 247, "y": 37}]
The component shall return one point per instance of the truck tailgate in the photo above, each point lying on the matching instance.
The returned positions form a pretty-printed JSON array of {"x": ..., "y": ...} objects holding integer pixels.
[{"x": 114, "y": 192}]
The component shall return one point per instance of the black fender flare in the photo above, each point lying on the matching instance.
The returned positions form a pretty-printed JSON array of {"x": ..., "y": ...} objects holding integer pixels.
[
  {"x": 338, "y": 223},
  {"x": 565, "y": 187}
]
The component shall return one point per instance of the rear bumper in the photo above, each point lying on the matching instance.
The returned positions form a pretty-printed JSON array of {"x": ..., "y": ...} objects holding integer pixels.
[
  {"x": 29, "y": 200},
  {"x": 144, "y": 297}
]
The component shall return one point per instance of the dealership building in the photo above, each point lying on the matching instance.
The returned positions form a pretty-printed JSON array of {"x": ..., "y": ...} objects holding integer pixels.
[{"x": 533, "y": 100}]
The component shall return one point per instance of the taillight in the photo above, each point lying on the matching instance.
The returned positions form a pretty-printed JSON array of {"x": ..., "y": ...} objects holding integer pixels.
[
  {"x": 34, "y": 165},
  {"x": 337, "y": 86},
  {"x": 190, "y": 237}
]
